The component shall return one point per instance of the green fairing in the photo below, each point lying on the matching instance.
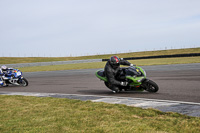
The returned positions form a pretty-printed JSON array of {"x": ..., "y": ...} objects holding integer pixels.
[
  {"x": 141, "y": 70},
  {"x": 134, "y": 79},
  {"x": 102, "y": 78}
]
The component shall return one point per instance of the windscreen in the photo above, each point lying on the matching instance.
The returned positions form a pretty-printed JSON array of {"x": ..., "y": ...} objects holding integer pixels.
[{"x": 132, "y": 71}]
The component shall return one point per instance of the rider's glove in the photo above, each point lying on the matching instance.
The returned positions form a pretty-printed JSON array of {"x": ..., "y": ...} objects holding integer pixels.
[
  {"x": 3, "y": 77},
  {"x": 132, "y": 65},
  {"x": 124, "y": 83}
]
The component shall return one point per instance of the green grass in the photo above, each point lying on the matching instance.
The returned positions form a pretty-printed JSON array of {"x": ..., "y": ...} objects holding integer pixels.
[
  {"x": 13, "y": 60},
  {"x": 144, "y": 62},
  {"x": 93, "y": 65},
  {"x": 54, "y": 115}
]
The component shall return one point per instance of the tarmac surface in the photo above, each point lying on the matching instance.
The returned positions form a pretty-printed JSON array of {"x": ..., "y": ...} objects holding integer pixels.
[{"x": 179, "y": 88}]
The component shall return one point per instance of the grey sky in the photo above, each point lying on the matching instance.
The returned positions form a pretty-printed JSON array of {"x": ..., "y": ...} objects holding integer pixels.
[{"x": 86, "y": 27}]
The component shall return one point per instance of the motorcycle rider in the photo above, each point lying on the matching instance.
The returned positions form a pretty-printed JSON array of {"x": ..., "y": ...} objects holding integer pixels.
[
  {"x": 1, "y": 74},
  {"x": 4, "y": 71},
  {"x": 111, "y": 70}
]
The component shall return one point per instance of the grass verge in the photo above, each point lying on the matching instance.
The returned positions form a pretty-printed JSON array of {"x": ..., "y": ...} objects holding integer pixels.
[
  {"x": 36, "y": 114},
  {"x": 13, "y": 60},
  {"x": 94, "y": 65}
]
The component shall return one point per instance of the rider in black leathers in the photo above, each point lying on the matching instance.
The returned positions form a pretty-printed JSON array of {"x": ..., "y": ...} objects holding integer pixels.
[{"x": 111, "y": 70}]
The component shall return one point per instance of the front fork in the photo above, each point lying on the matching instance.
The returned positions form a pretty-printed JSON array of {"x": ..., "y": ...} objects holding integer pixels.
[
  {"x": 20, "y": 79},
  {"x": 144, "y": 85}
]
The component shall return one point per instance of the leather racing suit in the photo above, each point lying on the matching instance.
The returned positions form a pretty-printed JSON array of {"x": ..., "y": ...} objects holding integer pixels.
[{"x": 111, "y": 73}]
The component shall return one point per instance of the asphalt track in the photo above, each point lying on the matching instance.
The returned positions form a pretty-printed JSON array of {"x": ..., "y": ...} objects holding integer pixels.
[{"x": 176, "y": 82}]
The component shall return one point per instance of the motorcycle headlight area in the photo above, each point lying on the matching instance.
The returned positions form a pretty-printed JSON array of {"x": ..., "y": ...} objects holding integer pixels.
[
  {"x": 18, "y": 73},
  {"x": 145, "y": 74},
  {"x": 140, "y": 80}
]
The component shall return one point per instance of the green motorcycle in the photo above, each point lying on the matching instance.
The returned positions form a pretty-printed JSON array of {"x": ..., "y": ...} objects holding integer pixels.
[{"x": 136, "y": 78}]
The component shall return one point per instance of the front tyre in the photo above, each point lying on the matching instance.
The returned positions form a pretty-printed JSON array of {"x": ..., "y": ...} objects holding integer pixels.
[
  {"x": 24, "y": 82},
  {"x": 151, "y": 86}
]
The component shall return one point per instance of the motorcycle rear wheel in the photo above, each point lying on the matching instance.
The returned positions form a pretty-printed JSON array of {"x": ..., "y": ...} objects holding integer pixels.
[{"x": 151, "y": 86}]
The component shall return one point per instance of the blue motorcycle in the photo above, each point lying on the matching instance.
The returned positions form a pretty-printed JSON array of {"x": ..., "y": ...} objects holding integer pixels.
[{"x": 14, "y": 77}]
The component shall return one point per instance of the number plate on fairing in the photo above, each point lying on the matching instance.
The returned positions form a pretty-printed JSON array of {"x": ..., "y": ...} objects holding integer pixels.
[{"x": 19, "y": 73}]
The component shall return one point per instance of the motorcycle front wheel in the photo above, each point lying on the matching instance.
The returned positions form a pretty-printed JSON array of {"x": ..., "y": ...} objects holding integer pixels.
[
  {"x": 150, "y": 86},
  {"x": 24, "y": 82}
]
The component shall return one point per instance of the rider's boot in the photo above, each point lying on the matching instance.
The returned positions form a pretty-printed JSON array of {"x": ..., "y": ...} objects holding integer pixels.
[
  {"x": 1, "y": 83},
  {"x": 115, "y": 89},
  {"x": 4, "y": 84}
]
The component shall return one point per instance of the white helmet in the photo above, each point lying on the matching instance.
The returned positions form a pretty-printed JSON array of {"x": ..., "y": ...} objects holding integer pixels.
[{"x": 3, "y": 67}]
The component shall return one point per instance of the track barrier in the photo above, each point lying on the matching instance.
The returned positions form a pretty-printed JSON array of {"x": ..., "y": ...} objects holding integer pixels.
[{"x": 160, "y": 56}]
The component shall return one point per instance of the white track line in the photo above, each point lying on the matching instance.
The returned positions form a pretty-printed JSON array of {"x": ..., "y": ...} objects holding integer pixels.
[{"x": 114, "y": 97}]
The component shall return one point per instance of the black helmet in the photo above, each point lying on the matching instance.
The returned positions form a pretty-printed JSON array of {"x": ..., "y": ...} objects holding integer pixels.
[{"x": 114, "y": 61}]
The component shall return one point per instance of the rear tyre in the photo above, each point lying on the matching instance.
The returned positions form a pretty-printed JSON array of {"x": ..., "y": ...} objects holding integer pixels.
[
  {"x": 151, "y": 86},
  {"x": 24, "y": 82}
]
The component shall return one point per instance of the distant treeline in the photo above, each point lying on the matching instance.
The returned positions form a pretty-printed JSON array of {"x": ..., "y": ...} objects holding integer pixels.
[{"x": 160, "y": 56}]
